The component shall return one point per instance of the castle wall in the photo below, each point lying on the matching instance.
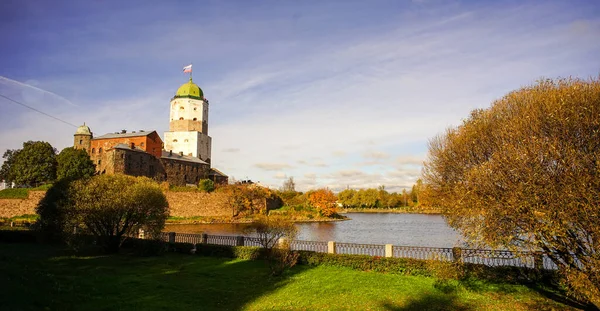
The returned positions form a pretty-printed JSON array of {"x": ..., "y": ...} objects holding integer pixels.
[
  {"x": 150, "y": 143},
  {"x": 181, "y": 204}
]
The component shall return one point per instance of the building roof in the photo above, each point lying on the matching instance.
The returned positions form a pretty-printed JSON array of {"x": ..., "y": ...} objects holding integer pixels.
[
  {"x": 214, "y": 171},
  {"x": 176, "y": 156},
  {"x": 125, "y": 135},
  {"x": 83, "y": 130},
  {"x": 190, "y": 89},
  {"x": 128, "y": 147}
]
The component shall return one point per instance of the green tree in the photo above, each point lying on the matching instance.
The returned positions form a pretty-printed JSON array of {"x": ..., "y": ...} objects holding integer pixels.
[
  {"x": 110, "y": 207},
  {"x": 525, "y": 173},
  {"x": 35, "y": 164},
  {"x": 346, "y": 197},
  {"x": 9, "y": 158},
  {"x": 74, "y": 164},
  {"x": 206, "y": 185}
]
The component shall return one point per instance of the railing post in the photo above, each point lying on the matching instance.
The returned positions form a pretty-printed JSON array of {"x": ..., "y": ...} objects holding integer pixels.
[
  {"x": 389, "y": 250},
  {"x": 239, "y": 240},
  {"x": 457, "y": 254},
  {"x": 538, "y": 260},
  {"x": 331, "y": 247},
  {"x": 204, "y": 238},
  {"x": 141, "y": 233},
  {"x": 171, "y": 237}
]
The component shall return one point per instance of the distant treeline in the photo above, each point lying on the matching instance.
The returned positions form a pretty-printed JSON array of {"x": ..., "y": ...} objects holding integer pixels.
[{"x": 362, "y": 198}]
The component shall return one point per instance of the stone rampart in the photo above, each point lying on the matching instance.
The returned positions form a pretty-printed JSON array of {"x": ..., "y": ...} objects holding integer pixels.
[
  {"x": 17, "y": 207},
  {"x": 181, "y": 204}
]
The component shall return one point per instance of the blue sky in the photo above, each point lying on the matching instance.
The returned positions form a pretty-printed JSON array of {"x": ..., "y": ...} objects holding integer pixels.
[{"x": 334, "y": 93}]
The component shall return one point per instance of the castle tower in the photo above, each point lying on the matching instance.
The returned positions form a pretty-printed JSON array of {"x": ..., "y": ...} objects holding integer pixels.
[
  {"x": 188, "y": 127},
  {"x": 82, "y": 138}
]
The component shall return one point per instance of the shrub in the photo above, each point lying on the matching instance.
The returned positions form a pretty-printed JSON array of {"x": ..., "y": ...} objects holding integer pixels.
[
  {"x": 206, "y": 185},
  {"x": 18, "y": 236},
  {"x": 405, "y": 266},
  {"x": 110, "y": 207},
  {"x": 239, "y": 252},
  {"x": 146, "y": 247}
]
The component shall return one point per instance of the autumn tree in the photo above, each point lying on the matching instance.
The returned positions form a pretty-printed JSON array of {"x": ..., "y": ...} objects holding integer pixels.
[
  {"x": 275, "y": 234},
  {"x": 324, "y": 201},
  {"x": 109, "y": 207},
  {"x": 74, "y": 164},
  {"x": 525, "y": 174}
]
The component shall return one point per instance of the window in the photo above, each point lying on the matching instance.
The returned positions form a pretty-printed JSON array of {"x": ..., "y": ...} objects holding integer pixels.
[
  {"x": 81, "y": 142},
  {"x": 142, "y": 144},
  {"x": 181, "y": 108},
  {"x": 93, "y": 150},
  {"x": 185, "y": 140},
  {"x": 181, "y": 118},
  {"x": 195, "y": 108},
  {"x": 195, "y": 119},
  {"x": 99, "y": 150},
  {"x": 174, "y": 140},
  {"x": 99, "y": 162}
]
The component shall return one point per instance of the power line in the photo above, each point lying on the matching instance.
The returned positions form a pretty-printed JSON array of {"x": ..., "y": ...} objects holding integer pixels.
[{"x": 53, "y": 117}]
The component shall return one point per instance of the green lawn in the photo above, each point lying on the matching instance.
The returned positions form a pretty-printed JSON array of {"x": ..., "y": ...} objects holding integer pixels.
[{"x": 39, "y": 277}]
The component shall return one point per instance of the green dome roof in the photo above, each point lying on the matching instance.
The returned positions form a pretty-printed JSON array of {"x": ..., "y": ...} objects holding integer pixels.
[{"x": 189, "y": 89}]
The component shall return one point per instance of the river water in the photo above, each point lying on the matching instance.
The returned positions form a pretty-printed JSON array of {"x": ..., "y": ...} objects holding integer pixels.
[{"x": 363, "y": 228}]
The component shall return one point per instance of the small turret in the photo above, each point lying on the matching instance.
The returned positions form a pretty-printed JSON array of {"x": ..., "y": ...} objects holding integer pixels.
[{"x": 82, "y": 138}]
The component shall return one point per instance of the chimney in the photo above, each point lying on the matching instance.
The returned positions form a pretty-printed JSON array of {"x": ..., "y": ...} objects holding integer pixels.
[
  {"x": 181, "y": 153},
  {"x": 170, "y": 152},
  {"x": 123, "y": 131},
  {"x": 141, "y": 131},
  {"x": 132, "y": 145}
]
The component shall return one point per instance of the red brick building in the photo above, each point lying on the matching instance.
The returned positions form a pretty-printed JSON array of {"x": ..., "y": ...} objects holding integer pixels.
[{"x": 142, "y": 153}]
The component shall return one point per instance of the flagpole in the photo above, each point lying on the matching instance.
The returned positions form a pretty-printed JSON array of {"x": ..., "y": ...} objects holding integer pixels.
[{"x": 191, "y": 70}]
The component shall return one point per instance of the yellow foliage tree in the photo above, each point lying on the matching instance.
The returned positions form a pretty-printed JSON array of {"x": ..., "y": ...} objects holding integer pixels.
[
  {"x": 324, "y": 201},
  {"x": 525, "y": 173}
]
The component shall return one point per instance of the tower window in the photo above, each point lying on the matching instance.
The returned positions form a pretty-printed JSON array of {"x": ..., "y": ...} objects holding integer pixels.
[
  {"x": 195, "y": 108},
  {"x": 181, "y": 108},
  {"x": 185, "y": 140},
  {"x": 99, "y": 150},
  {"x": 181, "y": 118},
  {"x": 195, "y": 119},
  {"x": 93, "y": 150},
  {"x": 81, "y": 142},
  {"x": 174, "y": 140}
]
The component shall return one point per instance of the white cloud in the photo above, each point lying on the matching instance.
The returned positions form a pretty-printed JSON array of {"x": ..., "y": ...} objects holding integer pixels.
[{"x": 354, "y": 108}]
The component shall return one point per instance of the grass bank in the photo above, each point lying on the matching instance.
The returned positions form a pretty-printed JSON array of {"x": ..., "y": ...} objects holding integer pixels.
[{"x": 37, "y": 277}]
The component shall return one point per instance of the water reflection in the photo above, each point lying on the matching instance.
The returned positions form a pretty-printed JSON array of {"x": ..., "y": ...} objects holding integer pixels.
[{"x": 367, "y": 228}]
